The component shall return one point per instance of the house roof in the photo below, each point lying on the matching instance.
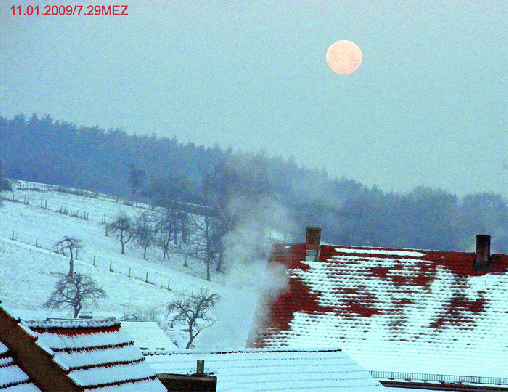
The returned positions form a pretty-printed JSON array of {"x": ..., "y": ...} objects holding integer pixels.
[
  {"x": 393, "y": 309},
  {"x": 270, "y": 370},
  {"x": 12, "y": 378},
  {"x": 147, "y": 336},
  {"x": 85, "y": 355}
]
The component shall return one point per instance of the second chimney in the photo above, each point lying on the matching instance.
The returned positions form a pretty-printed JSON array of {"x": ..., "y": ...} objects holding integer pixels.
[
  {"x": 312, "y": 243},
  {"x": 482, "y": 258}
]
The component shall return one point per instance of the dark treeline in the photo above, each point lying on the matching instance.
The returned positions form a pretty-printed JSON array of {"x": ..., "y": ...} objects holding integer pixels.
[{"x": 165, "y": 171}]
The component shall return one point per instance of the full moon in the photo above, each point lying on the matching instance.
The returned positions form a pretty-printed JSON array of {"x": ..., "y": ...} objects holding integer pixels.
[{"x": 344, "y": 57}]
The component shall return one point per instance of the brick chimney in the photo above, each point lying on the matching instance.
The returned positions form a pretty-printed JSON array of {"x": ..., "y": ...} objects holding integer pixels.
[
  {"x": 312, "y": 243},
  {"x": 482, "y": 258}
]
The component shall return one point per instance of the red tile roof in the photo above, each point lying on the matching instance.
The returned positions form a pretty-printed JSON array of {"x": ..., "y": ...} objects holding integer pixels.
[
  {"x": 351, "y": 295},
  {"x": 85, "y": 355},
  {"x": 96, "y": 355}
]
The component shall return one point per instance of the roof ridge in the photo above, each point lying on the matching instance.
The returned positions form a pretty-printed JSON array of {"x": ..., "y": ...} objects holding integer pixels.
[
  {"x": 111, "y": 384},
  {"x": 106, "y": 364},
  {"x": 59, "y": 325},
  {"x": 91, "y": 348}
]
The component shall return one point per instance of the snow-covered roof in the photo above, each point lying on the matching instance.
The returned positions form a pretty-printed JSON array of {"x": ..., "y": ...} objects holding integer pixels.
[
  {"x": 96, "y": 354},
  {"x": 270, "y": 370},
  {"x": 147, "y": 336},
  {"x": 394, "y": 309},
  {"x": 85, "y": 354},
  {"x": 12, "y": 378}
]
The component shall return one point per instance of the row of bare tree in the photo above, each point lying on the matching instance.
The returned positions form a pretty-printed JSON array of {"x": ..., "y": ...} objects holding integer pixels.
[{"x": 76, "y": 291}]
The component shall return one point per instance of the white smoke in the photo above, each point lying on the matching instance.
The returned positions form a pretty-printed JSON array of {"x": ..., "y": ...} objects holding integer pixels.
[{"x": 250, "y": 278}]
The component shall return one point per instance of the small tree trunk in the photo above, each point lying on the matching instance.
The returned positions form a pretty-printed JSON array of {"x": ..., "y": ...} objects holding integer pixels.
[
  {"x": 122, "y": 251},
  {"x": 219, "y": 262},
  {"x": 208, "y": 262},
  {"x": 77, "y": 309},
  {"x": 191, "y": 338}
]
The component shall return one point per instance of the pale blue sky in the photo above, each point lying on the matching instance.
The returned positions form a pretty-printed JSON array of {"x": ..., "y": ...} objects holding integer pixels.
[{"x": 427, "y": 107}]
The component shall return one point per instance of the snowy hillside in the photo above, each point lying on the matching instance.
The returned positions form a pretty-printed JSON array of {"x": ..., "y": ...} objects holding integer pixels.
[{"x": 31, "y": 222}]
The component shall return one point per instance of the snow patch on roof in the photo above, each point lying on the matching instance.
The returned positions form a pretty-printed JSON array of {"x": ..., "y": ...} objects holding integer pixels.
[
  {"x": 83, "y": 341},
  {"x": 386, "y": 252},
  {"x": 76, "y": 360},
  {"x": 55, "y": 324},
  {"x": 110, "y": 375},
  {"x": 141, "y": 386},
  {"x": 262, "y": 370},
  {"x": 147, "y": 336}
]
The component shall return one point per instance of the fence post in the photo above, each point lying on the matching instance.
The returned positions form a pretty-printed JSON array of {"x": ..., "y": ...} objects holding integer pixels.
[
  {"x": 110, "y": 268},
  {"x": 94, "y": 261},
  {"x": 129, "y": 272},
  {"x": 13, "y": 235},
  {"x": 146, "y": 280}
]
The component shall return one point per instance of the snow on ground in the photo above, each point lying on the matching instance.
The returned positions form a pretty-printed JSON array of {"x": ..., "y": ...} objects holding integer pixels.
[{"x": 30, "y": 267}]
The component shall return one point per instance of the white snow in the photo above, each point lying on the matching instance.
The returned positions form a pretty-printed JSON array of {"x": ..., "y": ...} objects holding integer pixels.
[
  {"x": 98, "y": 357},
  {"x": 30, "y": 267},
  {"x": 264, "y": 370},
  {"x": 3, "y": 348},
  {"x": 59, "y": 342},
  {"x": 105, "y": 375},
  {"x": 148, "y": 336},
  {"x": 374, "y": 251},
  {"x": 13, "y": 374},
  {"x": 141, "y": 386}
]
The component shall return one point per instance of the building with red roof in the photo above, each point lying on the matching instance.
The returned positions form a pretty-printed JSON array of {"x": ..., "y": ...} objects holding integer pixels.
[
  {"x": 71, "y": 355},
  {"x": 394, "y": 310}
]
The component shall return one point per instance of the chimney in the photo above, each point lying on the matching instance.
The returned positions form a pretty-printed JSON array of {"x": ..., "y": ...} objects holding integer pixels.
[
  {"x": 200, "y": 371},
  {"x": 482, "y": 252},
  {"x": 312, "y": 242}
]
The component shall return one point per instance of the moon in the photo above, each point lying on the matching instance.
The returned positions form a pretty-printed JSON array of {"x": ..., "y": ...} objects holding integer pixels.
[{"x": 344, "y": 57}]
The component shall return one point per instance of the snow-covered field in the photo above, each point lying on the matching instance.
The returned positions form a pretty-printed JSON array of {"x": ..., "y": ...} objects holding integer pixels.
[{"x": 29, "y": 266}]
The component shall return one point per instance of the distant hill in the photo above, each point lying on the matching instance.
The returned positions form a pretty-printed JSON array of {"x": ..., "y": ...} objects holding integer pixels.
[{"x": 107, "y": 161}]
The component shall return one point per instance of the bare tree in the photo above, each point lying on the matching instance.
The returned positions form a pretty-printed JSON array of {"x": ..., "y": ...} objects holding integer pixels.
[
  {"x": 208, "y": 236},
  {"x": 144, "y": 233},
  {"x": 135, "y": 179},
  {"x": 233, "y": 181},
  {"x": 122, "y": 225},
  {"x": 4, "y": 184},
  {"x": 194, "y": 312},
  {"x": 75, "y": 292},
  {"x": 71, "y": 245}
]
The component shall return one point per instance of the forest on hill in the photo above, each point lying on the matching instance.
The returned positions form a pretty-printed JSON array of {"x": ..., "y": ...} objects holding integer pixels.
[{"x": 171, "y": 174}]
